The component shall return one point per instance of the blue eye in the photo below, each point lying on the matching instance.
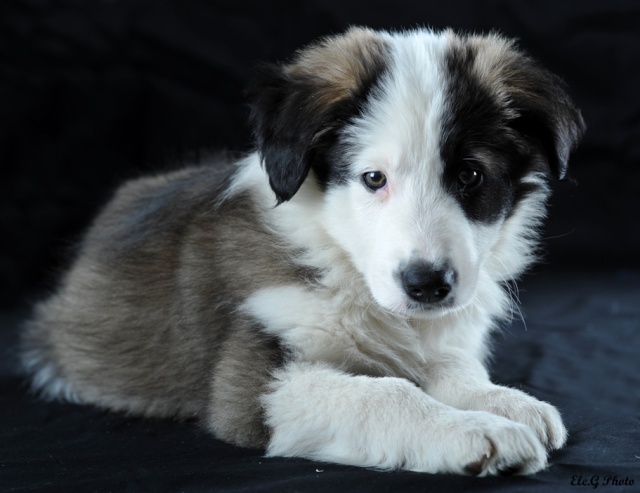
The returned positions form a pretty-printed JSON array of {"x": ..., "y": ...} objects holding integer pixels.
[{"x": 374, "y": 180}]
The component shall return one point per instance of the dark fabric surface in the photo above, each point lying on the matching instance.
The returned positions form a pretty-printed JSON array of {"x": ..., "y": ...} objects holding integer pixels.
[
  {"x": 579, "y": 350},
  {"x": 92, "y": 93}
]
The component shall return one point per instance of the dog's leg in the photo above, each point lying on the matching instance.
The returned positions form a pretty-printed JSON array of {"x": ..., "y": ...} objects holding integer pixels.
[
  {"x": 318, "y": 412},
  {"x": 462, "y": 382}
]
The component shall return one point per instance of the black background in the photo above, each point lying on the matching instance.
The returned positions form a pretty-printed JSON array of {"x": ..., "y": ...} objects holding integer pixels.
[{"x": 94, "y": 92}]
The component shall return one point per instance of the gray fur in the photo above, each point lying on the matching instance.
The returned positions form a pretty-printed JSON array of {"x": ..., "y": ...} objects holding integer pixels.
[{"x": 145, "y": 317}]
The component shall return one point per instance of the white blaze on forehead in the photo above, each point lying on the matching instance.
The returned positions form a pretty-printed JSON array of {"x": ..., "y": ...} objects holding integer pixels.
[
  {"x": 400, "y": 130},
  {"x": 401, "y": 127}
]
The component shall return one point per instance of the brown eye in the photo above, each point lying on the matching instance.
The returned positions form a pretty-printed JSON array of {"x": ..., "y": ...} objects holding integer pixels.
[
  {"x": 469, "y": 178},
  {"x": 374, "y": 180}
]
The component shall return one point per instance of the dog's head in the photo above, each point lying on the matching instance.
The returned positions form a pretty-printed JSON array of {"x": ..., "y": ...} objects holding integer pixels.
[{"x": 433, "y": 151}]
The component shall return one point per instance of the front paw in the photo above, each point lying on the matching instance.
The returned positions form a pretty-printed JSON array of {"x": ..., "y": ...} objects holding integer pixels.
[
  {"x": 542, "y": 418},
  {"x": 483, "y": 444}
]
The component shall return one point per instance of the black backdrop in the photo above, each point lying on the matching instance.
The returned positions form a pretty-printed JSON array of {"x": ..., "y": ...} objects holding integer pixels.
[{"x": 94, "y": 92}]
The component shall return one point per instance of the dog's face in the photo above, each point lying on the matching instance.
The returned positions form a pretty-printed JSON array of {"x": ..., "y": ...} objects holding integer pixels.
[{"x": 432, "y": 151}]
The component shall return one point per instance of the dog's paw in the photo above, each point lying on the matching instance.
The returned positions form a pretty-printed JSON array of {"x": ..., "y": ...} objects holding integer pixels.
[
  {"x": 483, "y": 444},
  {"x": 542, "y": 418}
]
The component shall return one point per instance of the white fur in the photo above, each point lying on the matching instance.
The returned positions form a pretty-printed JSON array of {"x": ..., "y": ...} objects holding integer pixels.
[
  {"x": 340, "y": 325},
  {"x": 357, "y": 342},
  {"x": 46, "y": 377},
  {"x": 321, "y": 413}
]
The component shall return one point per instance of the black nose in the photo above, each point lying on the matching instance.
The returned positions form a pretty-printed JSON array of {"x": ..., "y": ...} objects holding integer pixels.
[{"x": 426, "y": 283}]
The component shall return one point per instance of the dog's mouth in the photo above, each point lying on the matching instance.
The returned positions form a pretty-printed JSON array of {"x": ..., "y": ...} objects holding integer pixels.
[
  {"x": 413, "y": 309},
  {"x": 431, "y": 310}
]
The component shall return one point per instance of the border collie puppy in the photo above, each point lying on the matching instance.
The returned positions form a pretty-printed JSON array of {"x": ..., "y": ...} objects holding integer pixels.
[{"x": 331, "y": 295}]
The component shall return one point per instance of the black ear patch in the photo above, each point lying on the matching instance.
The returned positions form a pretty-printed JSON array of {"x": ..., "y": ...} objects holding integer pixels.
[
  {"x": 506, "y": 118},
  {"x": 540, "y": 107},
  {"x": 546, "y": 114},
  {"x": 284, "y": 128},
  {"x": 498, "y": 93},
  {"x": 298, "y": 108}
]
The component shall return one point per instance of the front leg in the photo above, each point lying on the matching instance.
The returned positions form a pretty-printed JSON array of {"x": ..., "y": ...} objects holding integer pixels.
[
  {"x": 318, "y": 412},
  {"x": 462, "y": 382}
]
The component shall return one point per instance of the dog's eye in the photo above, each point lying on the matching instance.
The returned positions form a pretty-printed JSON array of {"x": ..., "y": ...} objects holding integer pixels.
[
  {"x": 374, "y": 180},
  {"x": 469, "y": 178}
]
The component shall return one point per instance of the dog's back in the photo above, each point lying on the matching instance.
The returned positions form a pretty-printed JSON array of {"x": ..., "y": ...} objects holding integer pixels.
[{"x": 146, "y": 311}]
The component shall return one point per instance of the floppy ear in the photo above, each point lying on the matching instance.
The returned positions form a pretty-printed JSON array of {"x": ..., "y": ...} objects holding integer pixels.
[
  {"x": 284, "y": 127},
  {"x": 298, "y": 107},
  {"x": 544, "y": 112}
]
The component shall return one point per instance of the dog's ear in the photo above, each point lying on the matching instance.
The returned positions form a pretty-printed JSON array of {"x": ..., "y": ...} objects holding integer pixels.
[
  {"x": 544, "y": 112},
  {"x": 297, "y": 107}
]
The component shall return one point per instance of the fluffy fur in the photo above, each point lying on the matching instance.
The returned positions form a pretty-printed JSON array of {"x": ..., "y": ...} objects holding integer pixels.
[{"x": 331, "y": 295}]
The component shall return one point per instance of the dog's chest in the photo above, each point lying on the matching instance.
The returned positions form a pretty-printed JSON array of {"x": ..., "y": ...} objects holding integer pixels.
[{"x": 340, "y": 328}]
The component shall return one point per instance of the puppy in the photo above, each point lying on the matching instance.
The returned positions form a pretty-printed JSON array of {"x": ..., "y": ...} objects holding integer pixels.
[{"x": 331, "y": 295}]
